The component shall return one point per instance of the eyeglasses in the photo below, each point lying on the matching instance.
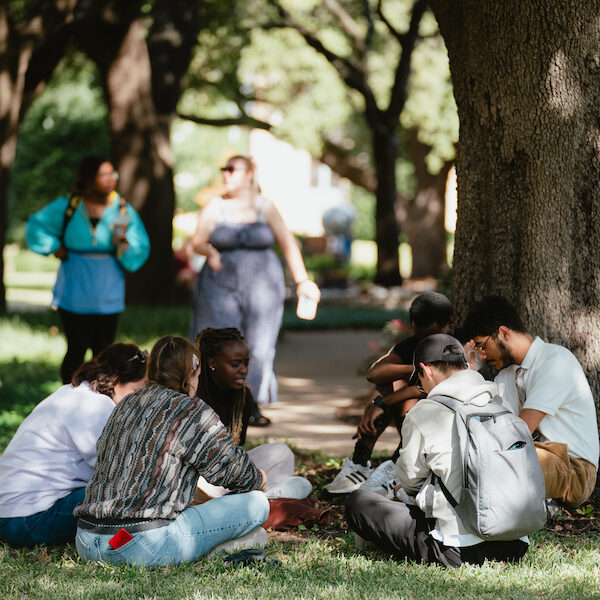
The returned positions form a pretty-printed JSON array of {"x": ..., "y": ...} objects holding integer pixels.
[
  {"x": 480, "y": 346},
  {"x": 114, "y": 175},
  {"x": 141, "y": 355},
  {"x": 230, "y": 169}
]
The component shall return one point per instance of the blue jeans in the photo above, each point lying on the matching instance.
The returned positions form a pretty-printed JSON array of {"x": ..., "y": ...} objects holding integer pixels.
[
  {"x": 192, "y": 534},
  {"x": 53, "y": 526}
]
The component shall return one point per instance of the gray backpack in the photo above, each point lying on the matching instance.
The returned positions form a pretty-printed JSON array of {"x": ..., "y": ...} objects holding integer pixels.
[{"x": 503, "y": 492}]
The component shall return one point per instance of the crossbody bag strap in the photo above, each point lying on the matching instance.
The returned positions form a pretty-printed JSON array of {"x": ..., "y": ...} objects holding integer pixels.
[{"x": 74, "y": 202}]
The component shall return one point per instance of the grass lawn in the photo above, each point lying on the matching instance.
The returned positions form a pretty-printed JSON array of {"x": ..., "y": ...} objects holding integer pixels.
[{"x": 319, "y": 563}]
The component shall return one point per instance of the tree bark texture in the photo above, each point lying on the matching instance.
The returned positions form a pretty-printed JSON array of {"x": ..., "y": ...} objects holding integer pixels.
[
  {"x": 385, "y": 152},
  {"x": 423, "y": 217},
  {"x": 140, "y": 141},
  {"x": 143, "y": 77},
  {"x": 526, "y": 78},
  {"x": 27, "y": 59},
  {"x": 142, "y": 147}
]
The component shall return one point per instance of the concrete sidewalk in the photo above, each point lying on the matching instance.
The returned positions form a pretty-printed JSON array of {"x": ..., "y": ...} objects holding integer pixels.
[{"x": 317, "y": 375}]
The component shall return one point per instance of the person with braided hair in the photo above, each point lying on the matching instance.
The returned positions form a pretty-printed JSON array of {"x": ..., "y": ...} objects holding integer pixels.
[{"x": 224, "y": 358}]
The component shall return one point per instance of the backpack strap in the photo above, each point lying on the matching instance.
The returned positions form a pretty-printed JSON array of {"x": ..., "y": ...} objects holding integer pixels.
[
  {"x": 452, "y": 404},
  {"x": 122, "y": 205},
  {"x": 447, "y": 401},
  {"x": 74, "y": 202},
  {"x": 445, "y": 490}
]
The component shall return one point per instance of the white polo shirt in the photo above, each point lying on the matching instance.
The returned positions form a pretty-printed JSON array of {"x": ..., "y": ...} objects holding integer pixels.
[{"x": 556, "y": 385}]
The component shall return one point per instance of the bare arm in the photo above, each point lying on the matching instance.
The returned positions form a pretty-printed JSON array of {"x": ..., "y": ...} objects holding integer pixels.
[
  {"x": 388, "y": 368},
  {"x": 532, "y": 417},
  {"x": 290, "y": 251},
  {"x": 409, "y": 395},
  {"x": 199, "y": 243}
]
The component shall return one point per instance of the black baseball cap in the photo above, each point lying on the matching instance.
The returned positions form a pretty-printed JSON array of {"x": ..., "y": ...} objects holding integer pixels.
[{"x": 439, "y": 347}]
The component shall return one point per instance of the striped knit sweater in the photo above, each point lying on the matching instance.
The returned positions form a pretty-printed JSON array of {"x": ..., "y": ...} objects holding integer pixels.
[{"x": 154, "y": 447}]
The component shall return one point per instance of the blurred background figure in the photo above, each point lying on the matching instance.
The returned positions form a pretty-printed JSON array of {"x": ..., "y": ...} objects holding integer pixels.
[
  {"x": 242, "y": 284},
  {"x": 96, "y": 235},
  {"x": 337, "y": 222}
]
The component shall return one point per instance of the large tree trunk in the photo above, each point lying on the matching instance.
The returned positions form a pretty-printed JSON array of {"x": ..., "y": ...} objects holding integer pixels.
[
  {"x": 143, "y": 75},
  {"x": 13, "y": 64},
  {"x": 385, "y": 151},
  {"x": 141, "y": 143},
  {"x": 526, "y": 78},
  {"x": 29, "y": 51},
  {"x": 423, "y": 217},
  {"x": 140, "y": 140}
]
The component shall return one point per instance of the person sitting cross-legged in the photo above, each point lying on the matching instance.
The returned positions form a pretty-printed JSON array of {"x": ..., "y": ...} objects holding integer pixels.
[
  {"x": 430, "y": 453},
  {"x": 430, "y": 312},
  {"x": 546, "y": 386},
  {"x": 140, "y": 506},
  {"x": 224, "y": 357}
]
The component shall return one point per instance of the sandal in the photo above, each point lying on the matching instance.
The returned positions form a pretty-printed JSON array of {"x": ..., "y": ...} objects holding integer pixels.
[{"x": 259, "y": 420}]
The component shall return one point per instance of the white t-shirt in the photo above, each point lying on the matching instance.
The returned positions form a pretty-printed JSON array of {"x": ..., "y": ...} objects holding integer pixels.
[
  {"x": 54, "y": 450},
  {"x": 555, "y": 384}
]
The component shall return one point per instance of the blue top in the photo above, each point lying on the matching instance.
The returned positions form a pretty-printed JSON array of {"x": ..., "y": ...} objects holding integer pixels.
[{"x": 90, "y": 280}]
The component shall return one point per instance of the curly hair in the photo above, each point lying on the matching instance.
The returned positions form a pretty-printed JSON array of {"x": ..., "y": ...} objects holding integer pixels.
[
  {"x": 171, "y": 363},
  {"x": 86, "y": 174},
  {"x": 117, "y": 363},
  {"x": 210, "y": 342}
]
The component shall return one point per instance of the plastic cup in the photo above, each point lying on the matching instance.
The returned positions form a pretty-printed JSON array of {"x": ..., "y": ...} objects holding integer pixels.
[{"x": 307, "y": 308}]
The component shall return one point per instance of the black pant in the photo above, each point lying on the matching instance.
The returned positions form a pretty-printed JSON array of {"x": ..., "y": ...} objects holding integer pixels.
[
  {"x": 364, "y": 446},
  {"x": 83, "y": 332},
  {"x": 403, "y": 530}
]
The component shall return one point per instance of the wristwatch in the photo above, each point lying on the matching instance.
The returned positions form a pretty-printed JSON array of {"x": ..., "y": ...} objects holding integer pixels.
[{"x": 378, "y": 401}]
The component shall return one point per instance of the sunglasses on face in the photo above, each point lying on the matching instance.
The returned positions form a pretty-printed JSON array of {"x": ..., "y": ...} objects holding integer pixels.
[
  {"x": 114, "y": 175},
  {"x": 230, "y": 169}
]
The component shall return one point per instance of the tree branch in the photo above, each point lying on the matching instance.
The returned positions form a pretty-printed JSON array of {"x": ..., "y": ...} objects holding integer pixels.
[
  {"x": 370, "y": 24},
  {"x": 348, "y": 166},
  {"x": 243, "y": 120},
  {"x": 399, "y": 36},
  {"x": 399, "y": 90},
  {"x": 348, "y": 24},
  {"x": 351, "y": 74}
]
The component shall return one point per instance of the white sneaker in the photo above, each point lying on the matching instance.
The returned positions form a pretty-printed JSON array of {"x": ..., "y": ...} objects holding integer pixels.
[
  {"x": 350, "y": 478},
  {"x": 293, "y": 487},
  {"x": 382, "y": 480},
  {"x": 257, "y": 538}
]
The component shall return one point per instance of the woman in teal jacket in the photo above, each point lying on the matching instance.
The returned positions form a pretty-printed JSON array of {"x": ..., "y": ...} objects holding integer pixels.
[{"x": 96, "y": 235}]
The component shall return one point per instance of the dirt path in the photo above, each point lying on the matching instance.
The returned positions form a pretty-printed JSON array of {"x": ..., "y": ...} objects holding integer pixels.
[{"x": 317, "y": 376}]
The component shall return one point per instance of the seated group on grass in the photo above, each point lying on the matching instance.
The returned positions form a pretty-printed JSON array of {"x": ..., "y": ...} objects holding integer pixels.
[
  {"x": 133, "y": 467},
  {"x": 542, "y": 383},
  {"x": 129, "y": 463}
]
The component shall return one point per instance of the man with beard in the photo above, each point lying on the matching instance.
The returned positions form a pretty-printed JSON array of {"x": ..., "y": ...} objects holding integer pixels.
[{"x": 545, "y": 385}]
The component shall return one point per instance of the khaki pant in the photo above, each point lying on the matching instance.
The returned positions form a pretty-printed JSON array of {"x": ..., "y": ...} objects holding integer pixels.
[{"x": 568, "y": 479}]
